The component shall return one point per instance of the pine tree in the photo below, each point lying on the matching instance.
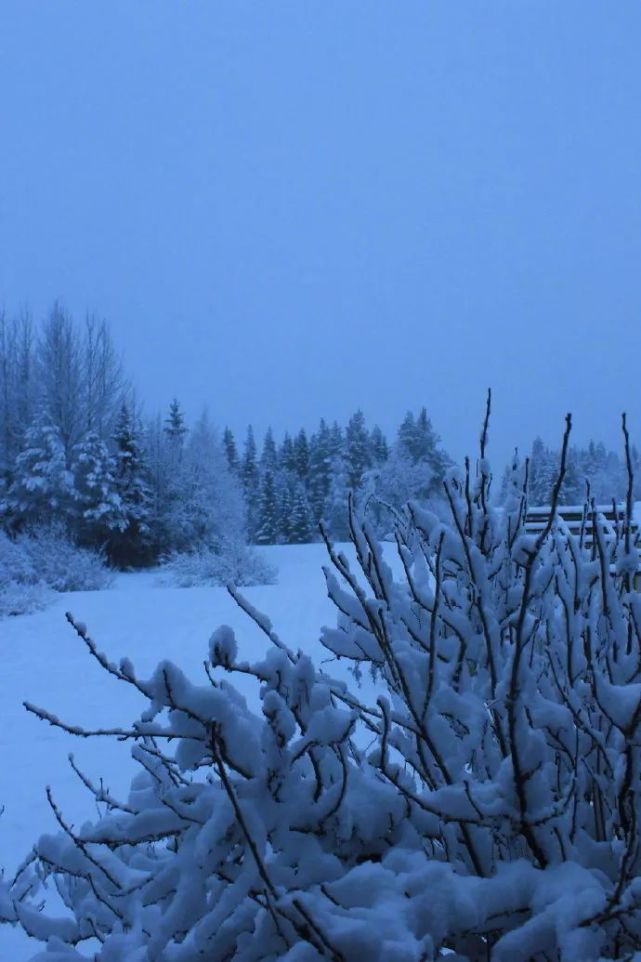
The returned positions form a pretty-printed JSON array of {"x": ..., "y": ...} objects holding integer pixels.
[
  {"x": 320, "y": 462},
  {"x": 358, "y": 454},
  {"x": 209, "y": 511},
  {"x": 379, "y": 446},
  {"x": 268, "y": 529},
  {"x": 229, "y": 443},
  {"x": 269, "y": 454},
  {"x": 97, "y": 506},
  {"x": 131, "y": 546},
  {"x": 301, "y": 455},
  {"x": 42, "y": 488},
  {"x": 285, "y": 502},
  {"x": 250, "y": 479},
  {"x": 287, "y": 455},
  {"x": 541, "y": 473},
  {"x": 335, "y": 510},
  {"x": 175, "y": 428},
  {"x": 301, "y": 524}
]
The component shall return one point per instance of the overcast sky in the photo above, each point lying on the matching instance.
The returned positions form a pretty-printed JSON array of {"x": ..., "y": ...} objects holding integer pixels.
[{"x": 294, "y": 209}]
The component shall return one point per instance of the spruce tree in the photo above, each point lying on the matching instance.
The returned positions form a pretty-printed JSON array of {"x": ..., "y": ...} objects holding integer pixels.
[
  {"x": 320, "y": 463},
  {"x": 175, "y": 428},
  {"x": 301, "y": 455},
  {"x": 98, "y": 510},
  {"x": 287, "y": 455},
  {"x": 541, "y": 474},
  {"x": 301, "y": 525},
  {"x": 250, "y": 480},
  {"x": 229, "y": 443},
  {"x": 131, "y": 546},
  {"x": 285, "y": 501},
  {"x": 358, "y": 454},
  {"x": 268, "y": 527},
  {"x": 269, "y": 454},
  {"x": 379, "y": 446},
  {"x": 42, "y": 488}
]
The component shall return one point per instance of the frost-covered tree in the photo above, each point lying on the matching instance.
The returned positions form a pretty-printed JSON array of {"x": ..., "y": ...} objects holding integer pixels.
[
  {"x": 287, "y": 455},
  {"x": 320, "y": 469},
  {"x": 42, "y": 487},
  {"x": 102, "y": 381},
  {"x": 301, "y": 522},
  {"x": 60, "y": 376},
  {"x": 250, "y": 477},
  {"x": 175, "y": 427},
  {"x": 335, "y": 510},
  {"x": 132, "y": 543},
  {"x": 269, "y": 528},
  {"x": 358, "y": 451},
  {"x": 209, "y": 510},
  {"x": 379, "y": 446},
  {"x": 301, "y": 455},
  {"x": 481, "y": 804},
  {"x": 17, "y": 389},
  {"x": 231, "y": 451},
  {"x": 97, "y": 509},
  {"x": 269, "y": 453}
]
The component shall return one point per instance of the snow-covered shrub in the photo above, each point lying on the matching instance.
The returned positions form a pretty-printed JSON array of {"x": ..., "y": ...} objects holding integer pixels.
[
  {"x": 21, "y": 589},
  {"x": 41, "y": 561},
  {"x": 237, "y": 563},
  {"x": 61, "y": 564},
  {"x": 21, "y": 598},
  {"x": 486, "y": 807}
]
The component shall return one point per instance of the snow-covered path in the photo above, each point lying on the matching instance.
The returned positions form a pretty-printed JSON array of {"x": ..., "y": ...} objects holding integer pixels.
[{"x": 44, "y": 662}]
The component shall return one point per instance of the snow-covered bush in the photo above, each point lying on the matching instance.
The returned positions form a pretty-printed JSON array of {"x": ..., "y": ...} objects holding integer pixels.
[
  {"x": 43, "y": 560},
  {"x": 21, "y": 598},
  {"x": 61, "y": 564},
  {"x": 236, "y": 563},
  {"x": 21, "y": 589},
  {"x": 486, "y": 807}
]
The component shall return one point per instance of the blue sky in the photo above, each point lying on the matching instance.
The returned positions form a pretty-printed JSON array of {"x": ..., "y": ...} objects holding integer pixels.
[{"x": 294, "y": 209}]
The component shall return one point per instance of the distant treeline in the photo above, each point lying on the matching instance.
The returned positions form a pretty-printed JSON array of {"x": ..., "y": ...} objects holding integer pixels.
[{"x": 76, "y": 452}]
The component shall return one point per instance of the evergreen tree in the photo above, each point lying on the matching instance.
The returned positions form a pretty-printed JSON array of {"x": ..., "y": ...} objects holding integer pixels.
[
  {"x": 358, "y": 453},
  {"x": 335, "y": 510},
  {"x": 132, "y": 545},
  {"x": 419, "y": 444},
  {"x": 42, "y": 488},
  {"x": 268, "y": 531},
  {"x": 285, "y": 503},
  {"x": 379, "y": 446},
  {"x": 301, "y": 455},
  {"x": 162, "y": 481},
  {"x": 250, "y": 480},
  {"x": 287, "y": 455},
  {"x": 229, "y": 443},
  {"x": 541, "y": 473},
  {"x": 97, "y": 506},
  {"x": 301, "y": 524},
  {"x": 175, "y": 425},
  {"x": 269, "y": 454},
  {"x": 209, "y": 512},
  {"x": 320, "y": 464}
]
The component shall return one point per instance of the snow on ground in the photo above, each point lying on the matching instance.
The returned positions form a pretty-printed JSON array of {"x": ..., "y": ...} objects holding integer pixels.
[{"x": 43, "y": 661}]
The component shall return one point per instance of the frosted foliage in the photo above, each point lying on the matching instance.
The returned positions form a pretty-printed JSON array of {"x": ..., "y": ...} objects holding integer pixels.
[
  {"x": 483, "y": 806},
  {"x": 233, "y": 561},
  {"x": 42, "y": 560}
]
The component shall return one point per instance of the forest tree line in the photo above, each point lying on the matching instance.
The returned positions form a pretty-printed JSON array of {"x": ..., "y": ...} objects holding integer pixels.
[{"x": 77, "y": 452}]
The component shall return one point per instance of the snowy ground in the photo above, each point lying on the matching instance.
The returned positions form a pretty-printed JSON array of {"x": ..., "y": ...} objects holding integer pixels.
[{"x": 44, "y": 662}]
